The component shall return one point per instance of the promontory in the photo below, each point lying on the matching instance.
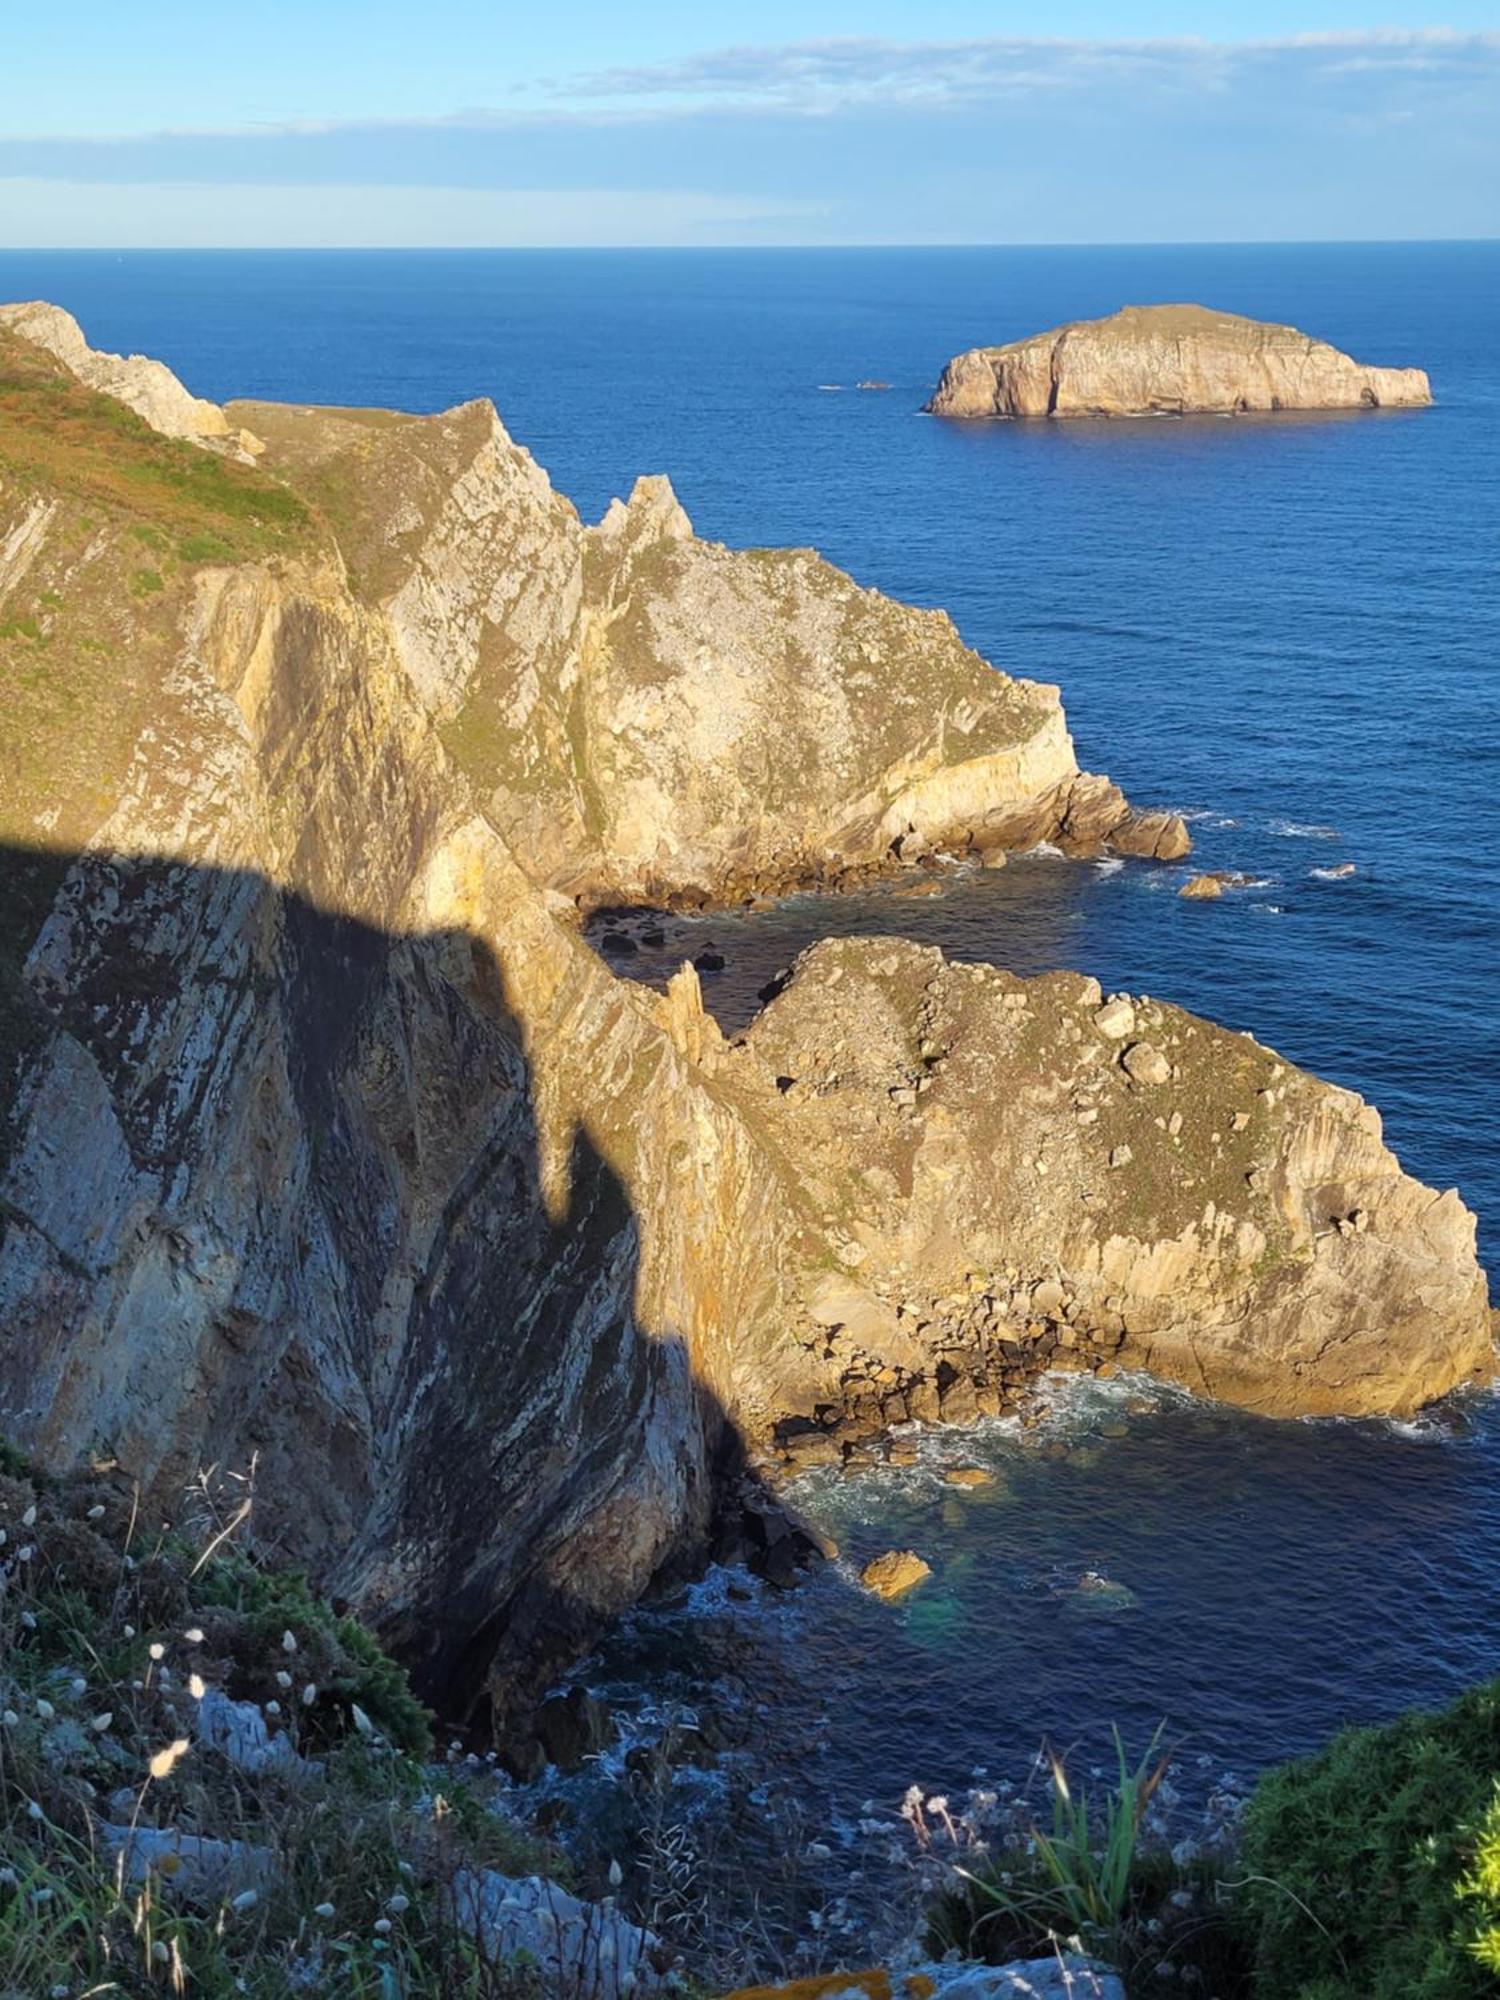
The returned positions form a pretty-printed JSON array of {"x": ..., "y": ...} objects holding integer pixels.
[
  {"x": 1167, "y": 361},
  {"x": 328, "y": 1146}
]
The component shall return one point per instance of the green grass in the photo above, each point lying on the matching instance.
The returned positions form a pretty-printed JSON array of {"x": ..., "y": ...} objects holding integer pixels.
[
  {"x": 109, "y": 1631},
  {"x": 58, "y": 437}
]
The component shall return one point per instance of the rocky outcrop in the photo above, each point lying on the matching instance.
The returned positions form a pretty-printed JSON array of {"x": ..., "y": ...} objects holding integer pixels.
[
  {"x": 145, "y": 386},
  {"x": 329, "y": 1149},
  {"x": 650, "y": 718},
  {"x": 1167, "y": 360},
  {"x": 1029, "y": 1174}
]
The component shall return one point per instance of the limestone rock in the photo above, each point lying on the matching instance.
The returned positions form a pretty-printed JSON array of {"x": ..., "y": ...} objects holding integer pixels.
[
  {"x": 1202, "y": 889},
  {"x": 148, "y": 387},
  {"x": 573, "y": 1947},
  {"x": 1150, "y": 1248},
  {"x": 327, "y": 1143},
  {"x": 1153, "y": 360},
  {"x": 893, "y": 1574},
  {"x": 1144, "y": 1063}
]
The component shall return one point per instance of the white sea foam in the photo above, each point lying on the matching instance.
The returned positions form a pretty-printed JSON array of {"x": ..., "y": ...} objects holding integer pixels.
[
  {"x": 1293, "y": 829},
  {"x": 1110, "y": 866},
  {"x": 1269, "y": 909},
  {"x": 1339, "y": 874}
]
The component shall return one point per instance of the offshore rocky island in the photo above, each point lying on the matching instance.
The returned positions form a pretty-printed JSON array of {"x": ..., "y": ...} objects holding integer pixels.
[
  {"x": 330, "y": 1148},
  {"x": 1168, "y": 361}
]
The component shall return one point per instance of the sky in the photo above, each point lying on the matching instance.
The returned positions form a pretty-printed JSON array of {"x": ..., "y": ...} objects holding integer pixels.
[{"x": 304, "y": 123}]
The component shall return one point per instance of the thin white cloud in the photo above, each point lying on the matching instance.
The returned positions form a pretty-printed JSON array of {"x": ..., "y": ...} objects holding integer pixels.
[
  {"x": 815, "y": 78},
  {"x": 83, "y": 215},
  {"x": 820, "y": 75}
]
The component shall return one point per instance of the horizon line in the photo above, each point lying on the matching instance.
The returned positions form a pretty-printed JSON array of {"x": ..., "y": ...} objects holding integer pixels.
[{"x": 710, "y": 249}]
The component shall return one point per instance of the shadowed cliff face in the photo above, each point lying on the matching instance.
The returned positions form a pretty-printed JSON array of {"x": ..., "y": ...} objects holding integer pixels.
[
  {"x": 327, "y": 1142},
  {"x": 285, "y": 1204}
]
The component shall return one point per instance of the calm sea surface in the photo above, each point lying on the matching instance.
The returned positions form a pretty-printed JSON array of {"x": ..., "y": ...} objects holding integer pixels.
[{"x": 1289, "y": 627}]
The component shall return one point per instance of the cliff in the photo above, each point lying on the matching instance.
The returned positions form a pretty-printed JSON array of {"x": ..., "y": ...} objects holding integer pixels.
[
  {"x": 1167, "y": 360},
  {"x": 329, "y": 1148}
]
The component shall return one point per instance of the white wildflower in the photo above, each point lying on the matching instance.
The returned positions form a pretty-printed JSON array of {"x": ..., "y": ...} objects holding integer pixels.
[
  {"x": 196, "y": 1687},
  {"x": 10, "y": 1718},
  {"x": 159, "y": 1953},
  {"x": 616, "y": 1875},
  {"x": 96, "y": 1513},
  {"x": 245, "y": 1900},
  {"x": 100, "y": 1723},
  {"x": 10, "y": 1878},
  {"x": 33, "y": 1810},
  {"x": 382, "y": 1927},
  {"x": 163, "y": 1761},
  {"x": 323, "y": 1910},
  {"x": 273, "y": 1708},
  {"x": 158, "y": 1650},
  {"x": 362, "y": 1721},
  {"x": 28, "y": 1519},
  {"x": 44, "y": 1708},
  {"x": 25, "y": 1555},
  {"x": 194, "y": 1635},
  {"x": 288, "y": 1642},
  {"x": 283, "y": 1678},
  {"x": 28, "y": 1619},
  {"x": 78, "y": 1687},
  {"x": 309, "y": 1694},
  {"x": 129, "y": 1631},
  {"x": 399, "y": 1905}
]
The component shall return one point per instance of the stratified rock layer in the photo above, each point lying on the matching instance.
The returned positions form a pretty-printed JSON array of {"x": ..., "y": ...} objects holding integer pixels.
[
  {"x": 1167, "y": 360},
  {"x": 329, "y": 1148}
]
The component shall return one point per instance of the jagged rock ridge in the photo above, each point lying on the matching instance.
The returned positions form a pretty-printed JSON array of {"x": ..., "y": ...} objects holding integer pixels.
[
  {"x": 328, "y": 1145},
  {"x": 1166, "y": 360}
]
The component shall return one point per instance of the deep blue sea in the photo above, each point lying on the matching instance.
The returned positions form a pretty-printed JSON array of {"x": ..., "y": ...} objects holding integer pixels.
[{"x": 1286, "y": 626}]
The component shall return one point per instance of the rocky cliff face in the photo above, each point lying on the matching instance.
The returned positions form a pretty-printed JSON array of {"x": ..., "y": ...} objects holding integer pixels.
[
  {"x": 1167, "y": 360},
  {"x": 329, "y": 1148}
]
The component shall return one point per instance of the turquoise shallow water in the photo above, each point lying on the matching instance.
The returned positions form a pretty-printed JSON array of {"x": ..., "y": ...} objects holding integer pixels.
[{"x": 1289, "y": 627}]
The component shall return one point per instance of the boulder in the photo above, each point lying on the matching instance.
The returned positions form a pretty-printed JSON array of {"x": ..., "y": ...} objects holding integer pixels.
[{"x": 894, "y": 1573}]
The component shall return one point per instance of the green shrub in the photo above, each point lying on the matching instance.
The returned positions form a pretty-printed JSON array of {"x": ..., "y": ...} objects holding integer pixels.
[{"x": 1357, "y": 1860}]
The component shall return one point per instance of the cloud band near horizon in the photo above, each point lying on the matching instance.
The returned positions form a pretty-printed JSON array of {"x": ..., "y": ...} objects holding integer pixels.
[{"x": 1388, "y": 133}]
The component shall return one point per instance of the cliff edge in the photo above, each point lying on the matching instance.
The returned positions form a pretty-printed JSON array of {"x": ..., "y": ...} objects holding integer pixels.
[
  {"x": 1167, "y": 361},
  {"x": 329, "y": 1148}
]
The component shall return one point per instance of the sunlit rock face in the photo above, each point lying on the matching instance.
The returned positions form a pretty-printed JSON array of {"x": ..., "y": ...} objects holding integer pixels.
[
  {"x": 1167, "y": 361},
  {"x": 330, "y": 1154}
]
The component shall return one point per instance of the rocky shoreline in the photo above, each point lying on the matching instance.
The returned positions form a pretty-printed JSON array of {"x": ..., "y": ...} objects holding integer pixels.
[{"x": 330, "y": 1148}]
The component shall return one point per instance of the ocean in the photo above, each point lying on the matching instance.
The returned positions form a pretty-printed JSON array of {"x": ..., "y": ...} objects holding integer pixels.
[{"x": 1288, "y": 628}]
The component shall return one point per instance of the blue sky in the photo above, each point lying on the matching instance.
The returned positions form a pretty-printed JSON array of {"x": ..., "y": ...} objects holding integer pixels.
[{"x": 830, "y": 121}]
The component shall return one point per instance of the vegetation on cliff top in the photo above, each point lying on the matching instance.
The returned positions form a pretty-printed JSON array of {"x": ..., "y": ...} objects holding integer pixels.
[
  {"x": 57, "y": 435},
  {"x": 312, "y": 1850},
  {"x": 1370, "y": 1871}
]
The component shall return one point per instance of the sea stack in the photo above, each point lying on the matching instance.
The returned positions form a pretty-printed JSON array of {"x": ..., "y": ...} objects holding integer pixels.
[{"x": 1167, "y": 361}]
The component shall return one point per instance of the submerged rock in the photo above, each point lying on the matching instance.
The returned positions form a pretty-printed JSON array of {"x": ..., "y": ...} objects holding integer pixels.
[
  {"x": 894, "y": 1573},
  {"x": 1156, "y": 360}
]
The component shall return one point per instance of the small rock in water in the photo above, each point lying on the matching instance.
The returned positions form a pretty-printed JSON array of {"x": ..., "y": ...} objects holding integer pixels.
[
  {"x": 969, "y": 1475},
  {"x": 1201, "y": 889},
  {"x": 894, "y": 1573}
]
